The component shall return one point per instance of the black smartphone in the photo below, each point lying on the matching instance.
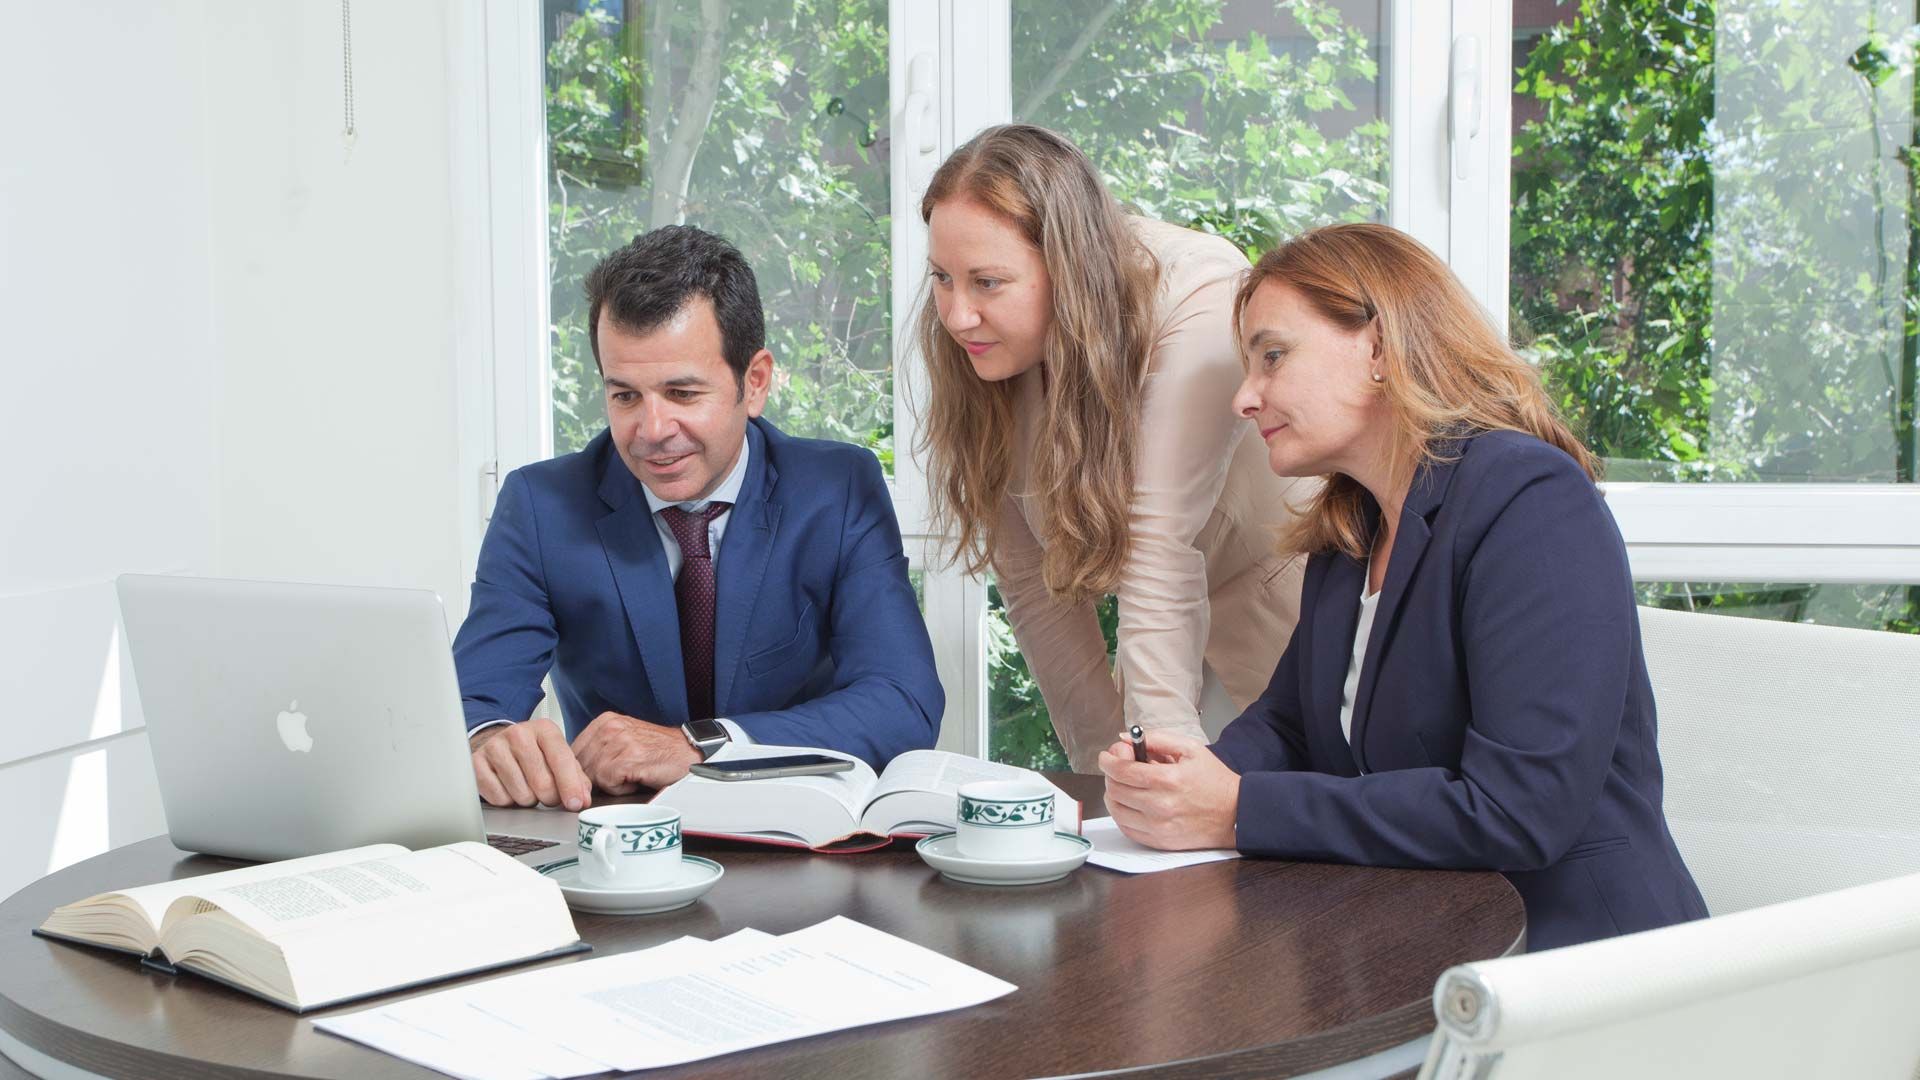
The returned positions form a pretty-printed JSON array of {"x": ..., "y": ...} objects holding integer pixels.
[{"x": 767, "y": 768}]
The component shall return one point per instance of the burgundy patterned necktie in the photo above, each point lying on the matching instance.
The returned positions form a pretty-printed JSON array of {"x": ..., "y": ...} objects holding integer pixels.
[{"x": 693, "y": 593}]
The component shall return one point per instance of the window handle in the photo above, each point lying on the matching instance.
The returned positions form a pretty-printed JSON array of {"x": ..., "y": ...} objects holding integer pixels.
[
  {"x": 919, "y": 125},
  {"x": 1463, "y": 115}
]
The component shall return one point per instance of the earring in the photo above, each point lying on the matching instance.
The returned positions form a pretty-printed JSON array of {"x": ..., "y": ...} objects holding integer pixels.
[{"x": 1378, "y": 378}]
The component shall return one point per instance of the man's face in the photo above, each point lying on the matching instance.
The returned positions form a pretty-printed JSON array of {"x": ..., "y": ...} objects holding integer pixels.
[{"x": 677, "y": 414}]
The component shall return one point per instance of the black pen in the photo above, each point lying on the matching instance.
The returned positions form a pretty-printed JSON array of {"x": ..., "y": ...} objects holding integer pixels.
[{"x": 1139, "y": 740}]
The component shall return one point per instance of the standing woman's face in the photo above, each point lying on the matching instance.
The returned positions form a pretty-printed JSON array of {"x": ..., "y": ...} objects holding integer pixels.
[{"x": 990, "y": 287}]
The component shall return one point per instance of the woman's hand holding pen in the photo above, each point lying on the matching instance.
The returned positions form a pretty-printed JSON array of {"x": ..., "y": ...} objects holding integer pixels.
[{"x": 1182, "y": 799}]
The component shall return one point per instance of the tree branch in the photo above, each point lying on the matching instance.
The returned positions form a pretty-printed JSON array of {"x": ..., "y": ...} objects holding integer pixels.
[
  {"x": 672, "y": 171},
  {"x": 659, "y": 78},
  {"x": 1072, "y": 56}
]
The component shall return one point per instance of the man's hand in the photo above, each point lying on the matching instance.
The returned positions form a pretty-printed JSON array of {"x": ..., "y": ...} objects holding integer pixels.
[
  {"x": 527, "y": 764},
  {"x": 622, "y": 754},
  {"x": 1182, "y": 798}
]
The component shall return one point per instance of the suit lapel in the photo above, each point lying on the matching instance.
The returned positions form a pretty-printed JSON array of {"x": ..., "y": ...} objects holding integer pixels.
[
  {"x": 1409, "y": 547},
  {"x": 639, "y": 565},
  {"x": 744, "y": 553}
]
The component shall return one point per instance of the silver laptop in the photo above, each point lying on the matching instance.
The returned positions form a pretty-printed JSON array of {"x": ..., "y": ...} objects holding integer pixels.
[{"x": 291, "y": 719}]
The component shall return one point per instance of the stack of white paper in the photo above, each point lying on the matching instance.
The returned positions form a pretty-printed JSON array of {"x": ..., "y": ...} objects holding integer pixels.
[
  {"x": 682, "y": 1001},
  {"x": 1113, "y": 850}
]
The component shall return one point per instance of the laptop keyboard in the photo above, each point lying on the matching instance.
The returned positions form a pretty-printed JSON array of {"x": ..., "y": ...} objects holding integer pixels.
[{"x": 518, "y": 845}]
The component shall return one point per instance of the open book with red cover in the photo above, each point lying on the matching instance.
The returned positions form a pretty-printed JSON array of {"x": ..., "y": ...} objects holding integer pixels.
[{"x": 855, "y": 810}]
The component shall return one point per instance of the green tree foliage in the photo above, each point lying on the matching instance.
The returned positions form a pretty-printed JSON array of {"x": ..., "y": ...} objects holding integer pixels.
[
  {"x": 788, "y": 161},
  {"x": 1612, "y": 223},
  {"x": 1254, "y": 137},
  {"x": 1712, "y": 235}
]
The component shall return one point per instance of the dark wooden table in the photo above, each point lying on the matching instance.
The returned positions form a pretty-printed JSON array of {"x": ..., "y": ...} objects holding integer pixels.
[{"x": 1241, "y": 968}]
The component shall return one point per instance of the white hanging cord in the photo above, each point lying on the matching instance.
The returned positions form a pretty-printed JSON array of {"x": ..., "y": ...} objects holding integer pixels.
[{"x": 348, "y": 131}]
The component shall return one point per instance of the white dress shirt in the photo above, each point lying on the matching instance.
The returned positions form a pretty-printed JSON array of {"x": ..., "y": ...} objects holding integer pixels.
[
  {"x": 728, "y": 492},
  {"x": 1369, "y": 603}
]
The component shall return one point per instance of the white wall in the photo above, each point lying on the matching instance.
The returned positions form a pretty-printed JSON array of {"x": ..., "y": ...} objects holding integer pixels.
[
  {"x": 226, "y": 347},
  {"x": 332, "y": 281}
]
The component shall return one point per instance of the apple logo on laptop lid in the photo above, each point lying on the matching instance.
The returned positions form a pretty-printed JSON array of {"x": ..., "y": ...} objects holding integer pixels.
[{"x": 292, "y": 724}]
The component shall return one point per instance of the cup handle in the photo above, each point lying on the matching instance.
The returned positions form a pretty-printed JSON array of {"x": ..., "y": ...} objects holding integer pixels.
[{"x": 600, "y": 848}]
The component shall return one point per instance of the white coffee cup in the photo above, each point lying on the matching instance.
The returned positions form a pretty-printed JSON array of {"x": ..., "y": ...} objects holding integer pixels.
[
  {"x": 629, "y": 846},
  {"x": 1004, "y": 819}
]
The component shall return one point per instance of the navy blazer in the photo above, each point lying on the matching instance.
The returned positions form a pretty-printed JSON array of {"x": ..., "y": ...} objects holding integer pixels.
[
  {"x": 1503, "y": 718},
  {"x": 818, "y": 640}
]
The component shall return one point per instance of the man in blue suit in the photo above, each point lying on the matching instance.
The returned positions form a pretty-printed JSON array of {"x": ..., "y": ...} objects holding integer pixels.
[{"x": 693, "y": 576}]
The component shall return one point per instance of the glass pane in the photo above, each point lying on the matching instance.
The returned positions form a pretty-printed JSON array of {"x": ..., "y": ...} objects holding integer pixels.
[
  {"x": 1251, "y": 120},
  {"x": 1894, "y": 608},
  {"x": 1712, "y": 232},
  {"x": 768, "y": 128},
  {"x": 1018, "y": 730}
]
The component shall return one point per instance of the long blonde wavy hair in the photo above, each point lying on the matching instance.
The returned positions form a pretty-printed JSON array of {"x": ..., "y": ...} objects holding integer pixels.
[
  {"x": 1446, "y": 371},
  {"x": 1095, "y": 353}
]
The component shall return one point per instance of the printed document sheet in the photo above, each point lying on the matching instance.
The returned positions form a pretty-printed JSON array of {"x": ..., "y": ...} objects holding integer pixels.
[
  {"x": 1113, "y": 850},
  {"x": 683, "y": 1001}
]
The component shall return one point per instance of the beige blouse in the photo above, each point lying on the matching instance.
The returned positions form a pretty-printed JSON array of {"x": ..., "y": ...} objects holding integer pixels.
[{"x": 1203, "y": 582}]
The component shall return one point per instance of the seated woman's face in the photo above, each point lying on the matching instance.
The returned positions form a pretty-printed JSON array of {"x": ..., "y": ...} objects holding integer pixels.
[
  {"x": 990, "y": 287},
  {"x": 1309, "y": 386}
]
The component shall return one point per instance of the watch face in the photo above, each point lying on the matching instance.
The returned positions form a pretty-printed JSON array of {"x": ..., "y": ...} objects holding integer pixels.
[{"x": 705, "y": 731}]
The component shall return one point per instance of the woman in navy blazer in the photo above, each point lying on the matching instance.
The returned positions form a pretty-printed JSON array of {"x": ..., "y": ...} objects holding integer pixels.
[{"x": 1496, "y": 714}]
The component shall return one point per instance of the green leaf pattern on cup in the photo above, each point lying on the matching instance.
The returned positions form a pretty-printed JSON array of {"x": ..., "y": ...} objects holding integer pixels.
[
  {"x": 1035, "y": 812},
  {"x": 650, "y": 838},
  {"x": 636, "y": 839}
]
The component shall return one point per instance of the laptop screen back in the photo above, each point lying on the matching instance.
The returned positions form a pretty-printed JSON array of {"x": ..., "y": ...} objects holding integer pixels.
[{"x": 291, "y": 719}]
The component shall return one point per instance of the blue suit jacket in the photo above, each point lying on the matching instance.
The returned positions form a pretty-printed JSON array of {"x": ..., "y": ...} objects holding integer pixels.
[
  {"x": 1503, "y": 718},
  {"x": 818, "y": 640}
]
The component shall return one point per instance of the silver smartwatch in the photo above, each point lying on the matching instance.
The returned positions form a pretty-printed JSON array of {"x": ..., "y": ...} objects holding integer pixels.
[{"x": 707, "y": 736}]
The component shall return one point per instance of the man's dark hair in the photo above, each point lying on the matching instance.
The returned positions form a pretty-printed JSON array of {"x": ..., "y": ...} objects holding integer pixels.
[{"x": 647, "y": 282}]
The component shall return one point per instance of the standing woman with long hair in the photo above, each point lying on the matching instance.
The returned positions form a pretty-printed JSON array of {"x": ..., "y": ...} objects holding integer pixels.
[{"x": 1080, "y": 438}]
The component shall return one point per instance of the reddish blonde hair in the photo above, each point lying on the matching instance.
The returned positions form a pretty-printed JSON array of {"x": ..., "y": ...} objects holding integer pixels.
[{"x": 1446, "y": 370}]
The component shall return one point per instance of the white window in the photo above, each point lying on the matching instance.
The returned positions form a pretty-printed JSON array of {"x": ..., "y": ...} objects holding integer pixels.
[
  {"x": 1710, "y": 250},
  {"x": 805, "y": 132}
]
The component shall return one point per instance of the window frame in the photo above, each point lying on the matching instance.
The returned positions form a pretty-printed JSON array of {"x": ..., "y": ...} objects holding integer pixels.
[
  {"x": 1866, "y": 533},
  {"x": 1710, "y": 531},
  {"x": 505, "y": 418}
]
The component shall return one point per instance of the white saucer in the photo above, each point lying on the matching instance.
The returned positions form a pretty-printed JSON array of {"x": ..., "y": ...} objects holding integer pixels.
[
  {"x": 696, "y": 875},
  {"x": 1065, "y": 852}
]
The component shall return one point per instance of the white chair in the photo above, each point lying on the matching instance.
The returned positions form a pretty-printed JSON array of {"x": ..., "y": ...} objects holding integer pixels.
[
  {"x": 1828, "y": 986},
  {"x": 1792, "y": 753}
]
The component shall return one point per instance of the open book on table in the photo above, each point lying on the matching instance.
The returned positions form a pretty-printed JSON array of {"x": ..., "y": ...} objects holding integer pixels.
[
  {"x": 855, "y": 810},
  {"x": 308, "y": 933}
]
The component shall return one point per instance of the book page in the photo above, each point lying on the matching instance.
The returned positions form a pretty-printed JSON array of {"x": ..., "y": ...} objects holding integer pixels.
[
  {"x": 851, "y": 789},
  {"x": 937, "y": 770},
  {"x": 153, "y": 900},
  {"x": 447, "y": 910},
  {"x": 938, "y": 773},
  {"x": 812, "y": 809},
  {"x": 300, "y": 897}
]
